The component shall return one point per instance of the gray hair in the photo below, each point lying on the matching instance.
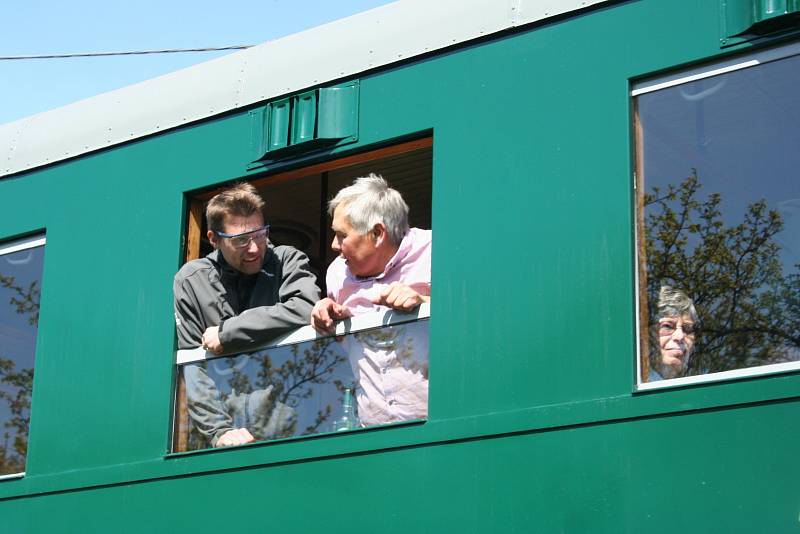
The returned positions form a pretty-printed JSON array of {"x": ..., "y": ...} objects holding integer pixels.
[
  {"x": 370, "y": 201},
  {"x": 675, "y": 303}
]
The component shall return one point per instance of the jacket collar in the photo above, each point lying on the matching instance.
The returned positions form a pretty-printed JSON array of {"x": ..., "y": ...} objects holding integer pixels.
[{"x": 227, "y": 272}]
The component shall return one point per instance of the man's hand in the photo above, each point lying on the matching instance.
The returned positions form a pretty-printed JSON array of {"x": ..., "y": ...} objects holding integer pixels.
[
  {"x": 211, "y": 340},
  {"x": 400, "y": 297},
  {"x": 325, "y": 312},
  {"x": 237, "y": 436}
]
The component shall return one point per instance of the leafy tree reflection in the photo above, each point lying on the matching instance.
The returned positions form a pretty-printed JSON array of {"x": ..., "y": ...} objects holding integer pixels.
[
  {"x": 305, "y": 367},
  {"x": 749, "y": 308},
  {"x": 16, "y": 385}
]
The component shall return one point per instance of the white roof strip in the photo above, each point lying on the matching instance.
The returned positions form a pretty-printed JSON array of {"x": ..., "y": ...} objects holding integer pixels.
[{"x": 340, "y": 49}]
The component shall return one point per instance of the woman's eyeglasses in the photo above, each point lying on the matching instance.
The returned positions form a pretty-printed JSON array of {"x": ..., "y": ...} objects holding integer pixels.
[{"x": 667, "y": 328}]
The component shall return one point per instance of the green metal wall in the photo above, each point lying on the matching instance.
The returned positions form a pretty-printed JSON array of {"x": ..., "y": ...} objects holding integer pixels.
[
  {"x": 533, "y": 423},
  {"x": 605, "y": 478}
]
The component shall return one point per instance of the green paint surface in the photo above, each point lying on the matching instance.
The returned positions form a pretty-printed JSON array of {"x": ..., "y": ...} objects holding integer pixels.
[{"x": 533, "y": 425}]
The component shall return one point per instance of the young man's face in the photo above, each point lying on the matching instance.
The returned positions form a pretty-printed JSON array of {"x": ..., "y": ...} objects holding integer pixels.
[
  {"x": 247, "y": 259},
  {"x": 360, "y": 251}
]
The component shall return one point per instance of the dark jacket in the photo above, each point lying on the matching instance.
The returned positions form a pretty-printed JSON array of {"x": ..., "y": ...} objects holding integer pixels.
[{"x": 250, "y": 309}]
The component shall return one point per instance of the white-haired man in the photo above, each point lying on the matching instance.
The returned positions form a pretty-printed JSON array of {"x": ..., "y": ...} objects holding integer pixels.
[{"x": 382, "y": 264}]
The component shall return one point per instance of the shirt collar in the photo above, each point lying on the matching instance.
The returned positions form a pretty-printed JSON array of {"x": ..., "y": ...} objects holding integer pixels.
[{"x": 399, "y": 255}]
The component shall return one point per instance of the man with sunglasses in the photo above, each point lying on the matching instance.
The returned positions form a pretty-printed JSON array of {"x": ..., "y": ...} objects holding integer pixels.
[{"x": 243, "y": 294}]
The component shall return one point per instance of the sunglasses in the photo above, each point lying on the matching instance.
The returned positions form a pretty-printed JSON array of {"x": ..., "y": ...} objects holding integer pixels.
[{"x": 259, "y": 235}]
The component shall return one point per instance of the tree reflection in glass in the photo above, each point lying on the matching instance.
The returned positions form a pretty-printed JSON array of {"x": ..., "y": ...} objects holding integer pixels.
[
  {"x": 747, "y": 300},
  {"x": 20, "y": 292},
  {"x": 719, "y": 208},
  {"x": 290, "y": 390}
]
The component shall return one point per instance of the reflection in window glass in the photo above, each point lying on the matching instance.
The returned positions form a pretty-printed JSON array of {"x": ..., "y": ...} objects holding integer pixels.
[
  {"x": 719, "y": 222},
  {"x": 311, "y": 387},
  {"x": 20, "y": 288}
]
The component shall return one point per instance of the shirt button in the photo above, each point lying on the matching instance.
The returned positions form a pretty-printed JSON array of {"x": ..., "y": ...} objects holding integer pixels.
[{"x": 391, "y": 402}]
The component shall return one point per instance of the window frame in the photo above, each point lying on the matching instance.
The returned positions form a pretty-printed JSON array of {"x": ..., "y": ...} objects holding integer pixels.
[
  {"x": 649, "y": 85},
  {"x": 303, "y": 334},
  {"x": 11, "y": 246},
  {"x": 193, "y": 238}
]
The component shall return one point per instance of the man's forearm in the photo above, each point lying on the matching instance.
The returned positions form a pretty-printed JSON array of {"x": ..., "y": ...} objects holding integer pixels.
[{"x": 259, "y": 325}]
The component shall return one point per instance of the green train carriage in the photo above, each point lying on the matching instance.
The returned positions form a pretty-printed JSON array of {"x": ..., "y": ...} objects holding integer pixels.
[{"x": 571, "y": 157}]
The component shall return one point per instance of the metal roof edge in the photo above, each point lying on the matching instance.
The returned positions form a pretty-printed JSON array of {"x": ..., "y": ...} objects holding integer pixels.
[{"x": 339, "y": 49}]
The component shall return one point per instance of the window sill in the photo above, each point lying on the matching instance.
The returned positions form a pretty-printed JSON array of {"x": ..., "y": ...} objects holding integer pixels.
[
  {"x": 298, "y": 439},
  {"x": 307, "y": 333},
  {"x": 723, "y": 376}
]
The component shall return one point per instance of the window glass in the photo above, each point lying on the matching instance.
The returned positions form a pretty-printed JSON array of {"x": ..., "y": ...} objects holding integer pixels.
[
  {"x": 325, "y": 384},
  {"x": 21, "y": 266},
  {"x": 719, "y": 222},
  {"x": 296, "y": 210}
]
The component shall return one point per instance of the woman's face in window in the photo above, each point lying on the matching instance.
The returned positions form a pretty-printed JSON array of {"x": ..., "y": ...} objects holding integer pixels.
[{"x": 676, "y": 338}]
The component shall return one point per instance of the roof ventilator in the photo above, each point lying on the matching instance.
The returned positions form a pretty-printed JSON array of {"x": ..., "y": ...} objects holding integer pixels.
[{"x": 318, "y": 119}]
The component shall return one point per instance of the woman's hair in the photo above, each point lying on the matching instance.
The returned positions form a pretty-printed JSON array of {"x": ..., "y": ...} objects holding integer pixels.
[{"x": 675, "y": 303}]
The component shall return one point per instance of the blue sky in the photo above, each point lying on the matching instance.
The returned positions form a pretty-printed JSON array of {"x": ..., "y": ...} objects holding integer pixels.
[{"x": 29, "y": 27}]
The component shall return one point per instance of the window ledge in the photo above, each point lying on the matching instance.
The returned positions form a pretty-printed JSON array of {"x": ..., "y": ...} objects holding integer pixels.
[
  {"x": 718, "y": 377},
  {"x": 307, "y": 333}
]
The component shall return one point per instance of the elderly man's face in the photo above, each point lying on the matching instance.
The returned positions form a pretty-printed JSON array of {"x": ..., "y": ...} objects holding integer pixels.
[
  {"x": 247, "y": 259},
  {"x": 360, "y": 251},
  {"x": 676, "y": 337}
]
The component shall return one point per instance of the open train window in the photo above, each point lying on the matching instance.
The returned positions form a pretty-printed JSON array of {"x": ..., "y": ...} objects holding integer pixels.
[
  {"x": 718, "y": 220},
  {"x": 302, "y": 383},
  {"x": 21, "y": 265}
]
